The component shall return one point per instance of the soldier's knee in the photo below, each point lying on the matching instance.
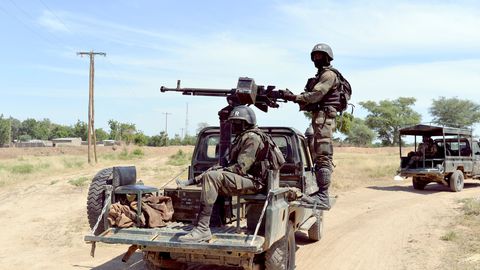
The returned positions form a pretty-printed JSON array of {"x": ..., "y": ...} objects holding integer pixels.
[{"x": 211, "y": 177}]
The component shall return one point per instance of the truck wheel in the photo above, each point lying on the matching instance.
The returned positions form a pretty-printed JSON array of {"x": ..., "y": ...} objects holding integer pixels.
[
  {"x": 418, "y": 183},
  {"x": 281, "y": 255},
  {"x": 316, "y": 231},
  {"x": 96, "y": 198},
  {"x": 456, "y": 181}
]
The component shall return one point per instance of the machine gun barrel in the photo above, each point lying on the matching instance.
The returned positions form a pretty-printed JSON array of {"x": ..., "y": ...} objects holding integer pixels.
[{"x": 199, "y": 91}]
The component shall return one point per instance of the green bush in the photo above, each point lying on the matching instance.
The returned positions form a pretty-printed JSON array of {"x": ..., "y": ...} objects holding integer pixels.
[
  {"x": 471, "y": 207},
  {"x": 22, "y": 168},
  {"x": 79, "y": 182},
  {"x": 138, "y": 152},
  {"x": 449, "y": 236},
  {"x": 178, "y": 159},
  {"x": 73, "y": 163}
]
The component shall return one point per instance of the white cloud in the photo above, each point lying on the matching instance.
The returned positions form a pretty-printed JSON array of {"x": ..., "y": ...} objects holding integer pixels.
[
  {"x": 423, "y": 81},
  {"x": 413, "y": 32},
  {"x": 51, "y": 22},
  {"x": 379, "y": 27}
]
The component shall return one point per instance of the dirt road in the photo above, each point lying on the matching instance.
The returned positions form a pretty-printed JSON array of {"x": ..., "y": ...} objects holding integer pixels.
[
  {"x": 381, "y": 227},
  {"x": 386, "y": 227}
]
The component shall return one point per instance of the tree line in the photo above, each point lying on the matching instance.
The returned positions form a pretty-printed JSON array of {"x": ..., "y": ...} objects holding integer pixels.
[
  {"x": 382, "y": 123},
  {"x": 14, "y": 130},
  {"x": 385, "y": 118}
]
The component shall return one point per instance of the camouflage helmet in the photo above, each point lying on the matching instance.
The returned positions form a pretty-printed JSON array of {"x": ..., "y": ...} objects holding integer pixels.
[
  {"x": 244, "y": 113},
  {"x": 322, "y": 47}
]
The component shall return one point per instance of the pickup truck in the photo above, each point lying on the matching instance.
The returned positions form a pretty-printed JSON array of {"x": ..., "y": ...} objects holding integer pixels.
[
  {"x": 250, "y": 231},
  {"x": 457, "y": 157}
]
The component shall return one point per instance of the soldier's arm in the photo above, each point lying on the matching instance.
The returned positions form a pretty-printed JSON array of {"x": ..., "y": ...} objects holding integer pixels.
[
  {"x": 326, "y": 82},
  {"x": 247, "y": 154}
]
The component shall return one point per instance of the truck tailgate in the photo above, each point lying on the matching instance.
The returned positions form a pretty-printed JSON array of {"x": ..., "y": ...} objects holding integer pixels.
[{"x": 223, "y": 238}]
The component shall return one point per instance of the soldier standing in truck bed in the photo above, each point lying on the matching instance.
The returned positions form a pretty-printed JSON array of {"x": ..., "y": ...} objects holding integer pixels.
[
  {"x": 320, "y": 99},
  {"x": 243, "y": 175}
]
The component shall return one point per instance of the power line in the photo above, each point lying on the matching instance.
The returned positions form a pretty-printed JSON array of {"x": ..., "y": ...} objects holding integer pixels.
[
  {"x": 166, "y": 127},
  {"x": 54, "y": 14},
  {"x": 26, "y": 26}
]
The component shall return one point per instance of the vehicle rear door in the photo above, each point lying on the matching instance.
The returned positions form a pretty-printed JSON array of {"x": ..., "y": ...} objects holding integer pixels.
[{"x": 476, "y": 158}]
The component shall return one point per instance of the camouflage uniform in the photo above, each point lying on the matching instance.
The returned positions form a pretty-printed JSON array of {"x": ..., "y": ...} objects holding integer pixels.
[
  {"x": 242, "y": 176},
  {"x": 323, "y": 120},
  {"x": 321, "y": 98}
]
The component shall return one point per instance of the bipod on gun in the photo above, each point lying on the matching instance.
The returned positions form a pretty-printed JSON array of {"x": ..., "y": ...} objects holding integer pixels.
[{"x": 246, "y": 93}]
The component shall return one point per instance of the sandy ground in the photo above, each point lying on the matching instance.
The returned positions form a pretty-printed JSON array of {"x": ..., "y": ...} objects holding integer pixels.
[{"x": 387, "y": 226}]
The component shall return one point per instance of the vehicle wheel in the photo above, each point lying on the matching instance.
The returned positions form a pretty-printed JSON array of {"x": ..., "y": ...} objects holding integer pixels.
[
  {"x": 456, "y": 181},
  {"x": 281, "y": 255},
  {"x": 96, "y": 198},
  {"x": 316, "y": 231},
  {"x": 418, "y": 183},
  {"x": 161, "y": 261}
]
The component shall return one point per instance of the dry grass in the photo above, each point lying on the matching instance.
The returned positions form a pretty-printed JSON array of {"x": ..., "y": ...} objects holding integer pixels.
[
  {"x": 69, "y": 165},
  {"x": 359, "y": 167},
  {"x": 464, "y": 251}
]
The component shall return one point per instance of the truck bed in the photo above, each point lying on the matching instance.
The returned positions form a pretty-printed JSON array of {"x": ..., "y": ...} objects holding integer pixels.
[{"x": 223, "y": 238}]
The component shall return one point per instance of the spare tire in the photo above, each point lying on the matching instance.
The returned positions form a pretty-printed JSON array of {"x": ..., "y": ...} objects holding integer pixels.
[{"x": 96, "y": 198}]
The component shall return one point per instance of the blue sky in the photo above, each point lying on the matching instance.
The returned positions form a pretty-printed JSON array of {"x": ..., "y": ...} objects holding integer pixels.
[{"x": 386, "y": 49}]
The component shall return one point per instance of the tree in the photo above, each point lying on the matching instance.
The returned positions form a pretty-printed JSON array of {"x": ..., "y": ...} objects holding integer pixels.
[
  {"x": 16, "y": 128},
  {"x": 43, "y": 129},
  {"x": 189, "y": 140},
  {"x": 60, "y": 131},
  {"x": 388, "y": 116},
  {"x": 29, "y": 127},
  {"x": 80, "y": 129},
  {"x": 360, "y": 134},
  {"x": 140, "y": 139},
  {"x": 114, "y": 129},
  {"x": 158, "y": 140},
  {"x": 127, "y": 132},
  {"x": 454, "y": 112},
  {"x": 101, "y": 134},
  {"x": 176, "y": 140},
  {"x": 122, "y": 131},
  {"x": 5, "y": 130}
]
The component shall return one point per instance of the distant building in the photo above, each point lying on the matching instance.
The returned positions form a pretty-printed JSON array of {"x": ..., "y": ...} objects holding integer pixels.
[
  {"x": 67, "y": 142},
  {"x": 109, "y": 142},
  {"x": 34, "y": 143}
]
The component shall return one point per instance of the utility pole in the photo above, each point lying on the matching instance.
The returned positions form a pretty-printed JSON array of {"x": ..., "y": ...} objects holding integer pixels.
[
  {"x": 166, "y": 127},
  {"x": 91, "y": 108},
  {"x": 186, "y": 122}
]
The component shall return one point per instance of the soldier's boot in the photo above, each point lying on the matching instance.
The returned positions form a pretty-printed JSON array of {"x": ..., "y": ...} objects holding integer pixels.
[
  {"x": 184, "y": 183},
  {"x": 323, "y": 176},
  {"x": 201, "y": 232}
]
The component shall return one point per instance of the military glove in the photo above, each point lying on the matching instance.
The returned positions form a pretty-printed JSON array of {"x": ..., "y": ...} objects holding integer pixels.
[{"x": 287, "y": 95}]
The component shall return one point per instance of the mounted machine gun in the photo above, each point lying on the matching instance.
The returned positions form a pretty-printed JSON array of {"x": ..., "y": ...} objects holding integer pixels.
[{"x": 246, "y": 93}]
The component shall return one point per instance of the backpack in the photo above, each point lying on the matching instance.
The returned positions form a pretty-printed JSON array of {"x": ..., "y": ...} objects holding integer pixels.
[
  {"x": 345, "y": 90},
  {"x": 270, "y": 153}
]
